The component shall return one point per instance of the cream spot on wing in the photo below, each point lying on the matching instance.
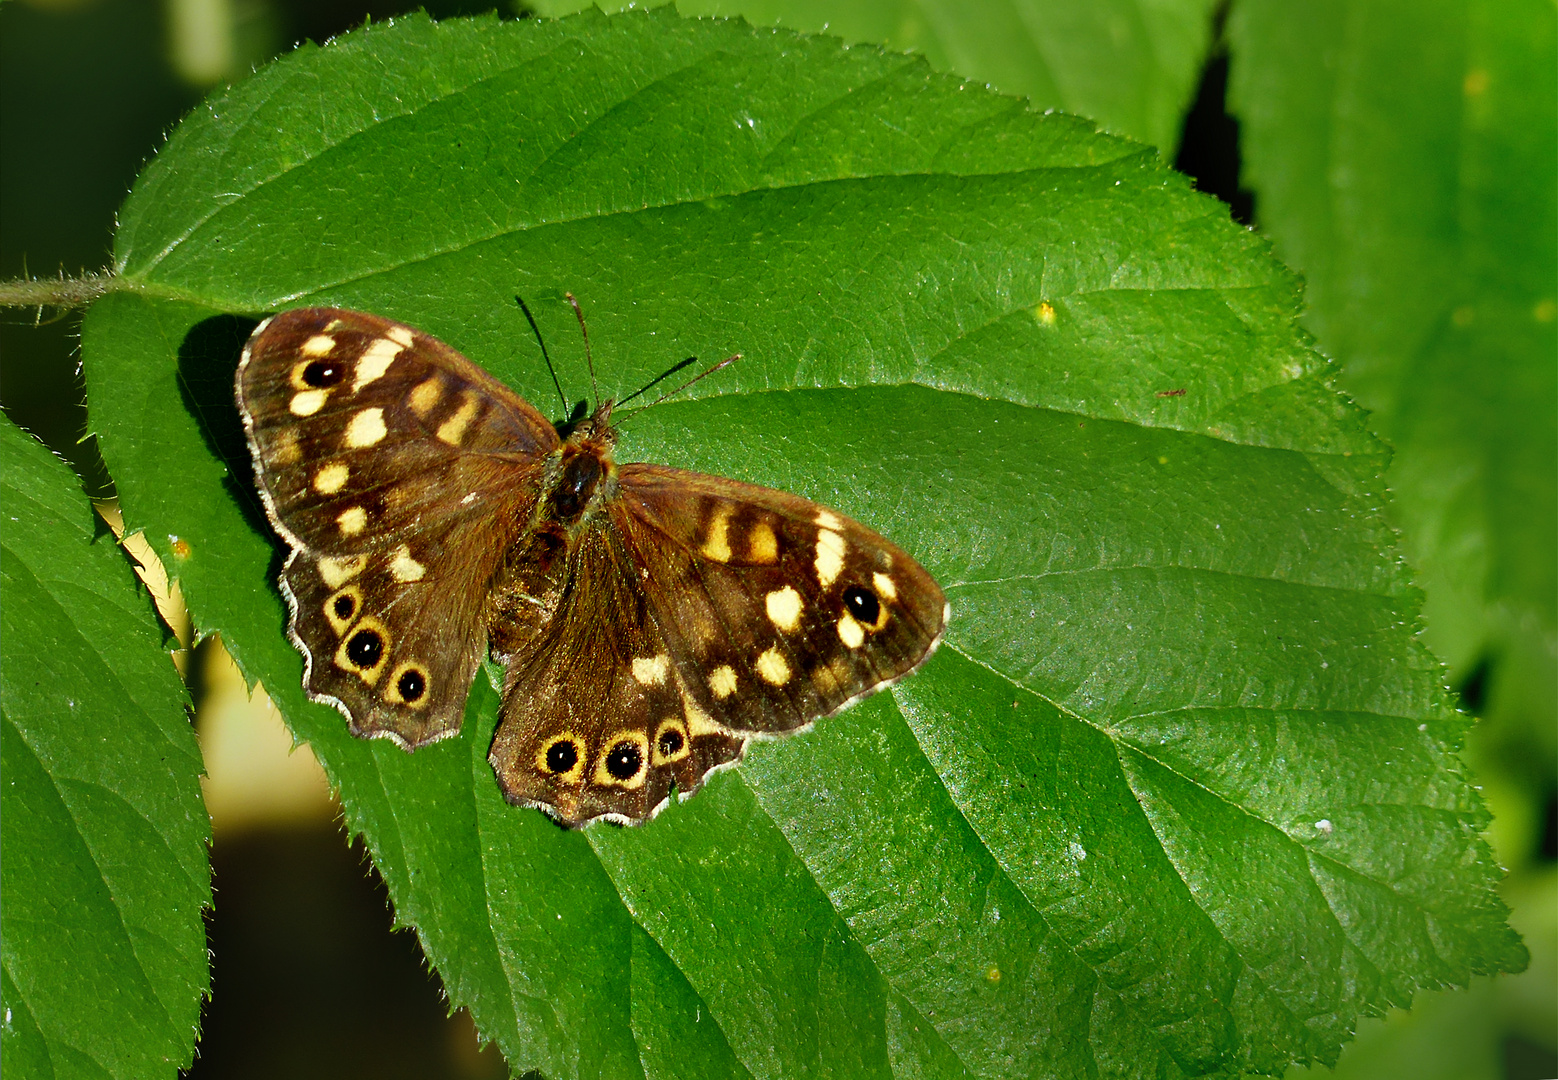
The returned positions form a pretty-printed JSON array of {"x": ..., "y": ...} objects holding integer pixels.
[
  {"x": 352, "y": 521},
  {"x": 331, "y": 478},
  {"x": 404, "y": 568},
  {"x": 285, "y": 450},
  {"x": 773, "y": 667},
  {"x": 851, "y": 633},
  {"x": 333, "y": 324},
  {"x": 884, "y": 586},
  {"x": 717, "y": 544},
  {"x": 335, "y": 571},
  {"x": 722, "y": 680},
  {"x": 366, "y": 428},
  {"x": 401, "y": 495},
  {"x": 762, "y": 544},
  {"x": 826, "y": 679},
  {"x": 425, "y": 395},
  {"x": 452, "y": 430},
  {"x": 318, "y": 345},
  {"x": 698, "y": 721},
  {"x": 829, "y": 520},
  {"x": 401, "y": 335},
  {"x": 308, "y": 402},
  {"x": 651, "y": 670},
  {"x": 830, "y": 556},
  {"x": 784, "y": 608},
  {"x": 375, "y": 362}
]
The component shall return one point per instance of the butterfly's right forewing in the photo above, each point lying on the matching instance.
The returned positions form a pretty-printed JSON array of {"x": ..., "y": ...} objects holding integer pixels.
[{"x": 399, "y": 473}]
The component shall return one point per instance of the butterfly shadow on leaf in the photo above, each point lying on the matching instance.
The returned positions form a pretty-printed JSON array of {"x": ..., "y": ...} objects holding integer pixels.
[{"x": 207, "y": 361}]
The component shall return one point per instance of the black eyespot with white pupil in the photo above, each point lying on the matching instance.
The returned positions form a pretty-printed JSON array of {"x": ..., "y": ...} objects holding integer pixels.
[
  {"x": 411, "y": 686},
  {"x": 365, "y": 648},
  {"x": 344, "y": 607},
  {"x": 323, "y": 373},
  {"x": 562, "y": 756},
  {"x": 862, "y": 604},
  {"x": 624, "y": 761},
  {"x": 670, "y": 743}
]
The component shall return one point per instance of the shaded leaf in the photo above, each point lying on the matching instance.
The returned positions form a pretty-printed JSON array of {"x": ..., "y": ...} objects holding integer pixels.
[
  {"x": 105, "y": 874},
  {"x": 1405, "y": 158}
]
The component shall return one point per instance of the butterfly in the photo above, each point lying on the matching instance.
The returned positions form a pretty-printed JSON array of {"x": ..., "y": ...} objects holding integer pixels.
[{"x": 650, "y": 621}]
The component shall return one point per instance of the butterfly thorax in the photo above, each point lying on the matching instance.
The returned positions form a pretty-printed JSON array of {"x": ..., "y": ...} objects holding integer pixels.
[{"x": 581, "y": 474}]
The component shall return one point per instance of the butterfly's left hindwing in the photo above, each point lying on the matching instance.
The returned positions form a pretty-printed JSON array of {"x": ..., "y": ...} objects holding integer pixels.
[{"x": 597, "y": 721}]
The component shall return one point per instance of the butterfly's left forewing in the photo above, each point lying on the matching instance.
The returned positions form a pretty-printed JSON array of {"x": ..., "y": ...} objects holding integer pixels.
[{"x": 781, "y": 610}]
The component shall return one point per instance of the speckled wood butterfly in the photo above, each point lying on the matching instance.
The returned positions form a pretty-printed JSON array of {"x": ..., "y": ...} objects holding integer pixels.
[{"x": 652, "y": 621}]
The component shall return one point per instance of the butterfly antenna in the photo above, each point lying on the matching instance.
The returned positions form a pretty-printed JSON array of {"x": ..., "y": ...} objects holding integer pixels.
[
  {"x": 664, "y": 375},
  {"x": 672, "y": 393},
  {"x": 588, "y": 359},
  {"x": 548, "y": 356}
]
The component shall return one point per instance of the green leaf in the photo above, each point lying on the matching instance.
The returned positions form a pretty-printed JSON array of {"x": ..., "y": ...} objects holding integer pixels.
[
  {"x": 1129, "y": 65},
  {"x": 1405, "y": 157},
  {"x": 1179, "y": 795},
  {"x": 104, "y": 830}
]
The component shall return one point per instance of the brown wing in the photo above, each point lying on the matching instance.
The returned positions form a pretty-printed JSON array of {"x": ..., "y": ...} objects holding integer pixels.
[
  {"x": 388, "y": 462},
  {"x": 596, "y": 720},
  {"x": 776, "y": 610},
  {"x": 700, "y": 612}
]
